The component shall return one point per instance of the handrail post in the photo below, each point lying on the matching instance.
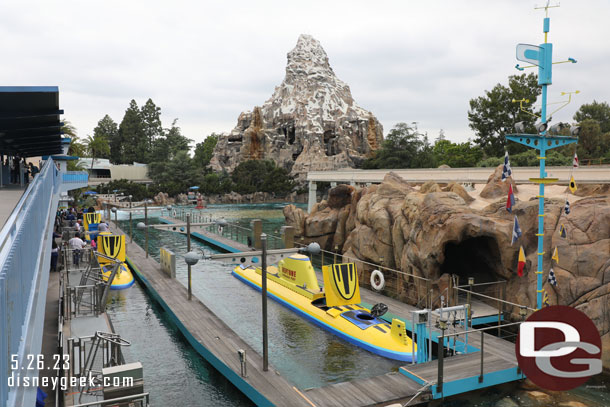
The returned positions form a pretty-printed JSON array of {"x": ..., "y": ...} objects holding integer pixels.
[
  {"x": 470, "y": 283},
  {"x": 482, "y": 352},
  {"x": 188, "y": 249},
  {"x": 441, "y": 351}
]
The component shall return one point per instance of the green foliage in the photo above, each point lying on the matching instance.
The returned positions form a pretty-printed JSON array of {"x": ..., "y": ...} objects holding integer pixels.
[
  {"x": 528, "y": 158},
  {"x": 494, "y": 115},
  {"x": 261, "y": 176},
  {"x": 456, "y": 155},
  {"x": 152, "y": 129},
  {"x": 595, "y": 111},
  {"x": 205, "y": 150},
  {"x": 97, "y": 147},
  {"x": 591, "y": 140},
  {"x": 167, "y": 146},
  {"x": 106, "y": 129},
  {"x": 404, "y": 147},
  {"x": 138, "y": 191},
  {"x": 216, "y": 183},
  {"x": 134, "y": 145}
]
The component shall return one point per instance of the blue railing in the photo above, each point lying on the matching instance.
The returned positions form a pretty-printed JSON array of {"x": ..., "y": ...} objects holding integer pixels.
[{"x": 24, "y": 267}]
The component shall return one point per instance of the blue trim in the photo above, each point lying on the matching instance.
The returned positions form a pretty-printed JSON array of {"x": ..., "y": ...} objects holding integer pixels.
[
  {"x": 412, "y": 376},
  {"x": 226, "y": 371},
  {"x": 472, "y": 383},
  {"x": 355, "y": 341},
  {"x": 122, "y": 286},
  {"x": 490, "y": 319},
  {"x": 50, "y": 89}
]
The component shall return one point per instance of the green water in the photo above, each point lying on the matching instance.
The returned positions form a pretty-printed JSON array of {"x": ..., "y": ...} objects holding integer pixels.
[{"x": 304, "y": 354}]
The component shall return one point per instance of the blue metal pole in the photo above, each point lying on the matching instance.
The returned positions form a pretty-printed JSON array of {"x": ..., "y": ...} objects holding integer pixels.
[{"x": 540, "y": 234}]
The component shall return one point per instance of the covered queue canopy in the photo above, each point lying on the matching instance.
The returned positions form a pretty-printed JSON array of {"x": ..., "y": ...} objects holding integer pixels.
[{"x": 29, "y": 121}]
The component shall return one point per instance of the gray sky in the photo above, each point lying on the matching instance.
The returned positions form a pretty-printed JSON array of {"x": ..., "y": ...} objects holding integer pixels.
[{"x": 205, "y": 62}]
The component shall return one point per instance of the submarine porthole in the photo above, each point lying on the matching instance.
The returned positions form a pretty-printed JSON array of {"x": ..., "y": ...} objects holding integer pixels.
[{"x": 477, "y": 257}]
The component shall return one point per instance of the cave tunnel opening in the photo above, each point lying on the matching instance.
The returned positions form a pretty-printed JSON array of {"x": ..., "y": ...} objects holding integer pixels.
[{"x": 477, "y": 257}]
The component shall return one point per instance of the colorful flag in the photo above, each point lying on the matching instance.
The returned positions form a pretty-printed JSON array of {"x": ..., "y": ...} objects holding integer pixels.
[
  {"x": 506, "y": 170},
  {"x": 552, "y": 278},
  {"x": 516, "y": 231},
  {"x": 573, "y": 186},
  {"x": 575, "y": 161},
  {"x": 566, "y": 208},
  {"x": 555, "y": 256},
  {"x": 545, "y": 298},
  {"x": 562, "y": 231},
  {"x": 511, "y": 199},
  {"x": 521, "y": 263}
]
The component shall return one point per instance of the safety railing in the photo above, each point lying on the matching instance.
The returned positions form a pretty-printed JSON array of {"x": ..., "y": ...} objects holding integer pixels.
[
  {"x": 441, "y": 353},
  {"x": 21, "y": 244},
  {"x": 137, "y": 400}
]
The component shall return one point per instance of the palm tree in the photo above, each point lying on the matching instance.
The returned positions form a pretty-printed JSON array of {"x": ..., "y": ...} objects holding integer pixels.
[
  {"x": 96, "y": 147},
  {"x": 76, "y": 147}
]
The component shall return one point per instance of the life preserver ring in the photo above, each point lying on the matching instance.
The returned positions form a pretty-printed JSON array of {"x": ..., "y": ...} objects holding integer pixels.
[
  {"x": 174, "y": 213},
  {"x": 377, "y": 280}
]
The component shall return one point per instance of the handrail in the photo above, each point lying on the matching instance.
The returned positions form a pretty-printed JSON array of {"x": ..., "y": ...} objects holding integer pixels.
[
  {"x": 118, "y": 399},
  {"x": 495, "y": 299}
]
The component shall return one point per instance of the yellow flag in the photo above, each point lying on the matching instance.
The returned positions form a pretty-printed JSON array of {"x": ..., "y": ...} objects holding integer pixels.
[
  {"x": 573, "y": 186},
  {"x": 555, "y": 256}
]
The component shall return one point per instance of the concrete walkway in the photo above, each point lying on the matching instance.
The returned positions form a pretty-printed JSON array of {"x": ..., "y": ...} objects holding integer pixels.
[{"x": 9, "y": 196}]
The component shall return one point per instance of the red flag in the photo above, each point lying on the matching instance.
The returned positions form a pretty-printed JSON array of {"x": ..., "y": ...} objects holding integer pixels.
[
  {"x": 521, "y": 263},
  {"x": 511, "y": 198}
]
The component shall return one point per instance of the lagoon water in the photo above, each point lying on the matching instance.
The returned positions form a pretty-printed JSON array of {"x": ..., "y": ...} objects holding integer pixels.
[{"x": 305, "y": 354}]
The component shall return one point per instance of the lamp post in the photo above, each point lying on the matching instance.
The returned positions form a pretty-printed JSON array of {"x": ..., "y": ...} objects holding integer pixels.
[
  {"x": 130, "y": 196},
  {"x": 113, "y": 210},
  {"x": 130, "y": 228}
]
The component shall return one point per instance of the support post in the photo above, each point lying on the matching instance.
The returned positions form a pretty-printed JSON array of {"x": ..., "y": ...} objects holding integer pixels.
[
  {"x": 263, "y": 238},
  {"x": 482, "y": 351},
  {"x": 313, "y": 188},
  {"x": 146, "y": 224},
  {"x": 288, "y": 236},
  {"x": 188, "y": 249},
  {"x": 130, "y": 227},
  {"x": 257, "y": 229},
  {"x": 469, "y": 299},
  {"x": 441, "y": 351},
  {"x": 116, "y": 218}
]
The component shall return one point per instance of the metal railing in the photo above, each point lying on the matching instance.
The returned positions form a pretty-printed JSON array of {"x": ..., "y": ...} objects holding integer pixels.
[
  {"x": 21, "y": 255},
  {"x": 441, "y": 352},
  {"x": 136, "y": 400},
  {"x": 70, "y": 177}
]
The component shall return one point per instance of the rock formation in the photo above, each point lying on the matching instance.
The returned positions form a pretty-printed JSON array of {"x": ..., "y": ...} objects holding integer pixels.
[
  {"x": 432, "y": 233},
  {"x": 311, "y": 121}
]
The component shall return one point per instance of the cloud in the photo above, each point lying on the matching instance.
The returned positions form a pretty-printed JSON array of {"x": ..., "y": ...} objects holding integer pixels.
[{"x": 205, "y": 62}]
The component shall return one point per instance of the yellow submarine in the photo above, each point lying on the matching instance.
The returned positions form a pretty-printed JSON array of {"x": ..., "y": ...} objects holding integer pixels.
[
  {"x": 112, "y": 246},
  {"x": 336, "y": 308}
]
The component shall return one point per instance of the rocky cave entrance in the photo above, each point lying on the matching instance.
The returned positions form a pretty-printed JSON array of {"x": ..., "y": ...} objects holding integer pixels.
[{"x": 477, "y": 257}]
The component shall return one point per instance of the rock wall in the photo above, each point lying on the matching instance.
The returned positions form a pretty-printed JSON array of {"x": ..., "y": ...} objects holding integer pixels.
[
  {"x": 311, "y": 121},
  {"x": 432, "y": 232}
]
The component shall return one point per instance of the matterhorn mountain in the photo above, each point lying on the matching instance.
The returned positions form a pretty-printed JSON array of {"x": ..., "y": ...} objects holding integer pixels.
[{"x": 311, "y": 121}]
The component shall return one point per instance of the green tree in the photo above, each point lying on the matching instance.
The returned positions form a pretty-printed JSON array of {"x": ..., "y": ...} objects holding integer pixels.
[
  {"x": 456, "y": 155},
  {"x": 590, "y": 139},
  {"x": 169, "y": 144},
  {"x": 403, "y": 147},
  {"x": 494, "y": 115},
  {"x": 205, "y": 150},
  {"x": 150, "y": 114},
  {"x": 107, "y": 129},
  {"x": 134, "y": 142},
  {"x": 261, "y": 176},
  {"x": 96, "y": 147},
  {"x": 595, "y": 111}
]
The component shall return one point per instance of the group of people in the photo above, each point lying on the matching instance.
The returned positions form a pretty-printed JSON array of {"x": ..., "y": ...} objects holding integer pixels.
[
  {"x": 16, "y": 165},
  {"x": 73, "y": 218}
]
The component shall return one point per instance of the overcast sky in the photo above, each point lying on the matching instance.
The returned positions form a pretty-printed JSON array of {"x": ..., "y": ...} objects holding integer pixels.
[{"x": 204, "y": 62}]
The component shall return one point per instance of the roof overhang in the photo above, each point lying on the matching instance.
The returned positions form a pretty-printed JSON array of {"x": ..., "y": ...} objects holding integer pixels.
[{"x": 29, "y": 121}]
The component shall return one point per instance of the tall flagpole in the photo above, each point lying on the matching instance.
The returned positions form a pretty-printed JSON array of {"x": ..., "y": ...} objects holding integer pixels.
[{"x": 541, "y": 56}]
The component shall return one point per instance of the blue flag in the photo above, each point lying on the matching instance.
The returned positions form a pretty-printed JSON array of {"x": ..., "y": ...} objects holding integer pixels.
[
  {"x": 506, "y": 170},
  {"x": 511, "y": 199},
  {"x": 566, "y": 209},
  {"x": 516, "y": 231}
]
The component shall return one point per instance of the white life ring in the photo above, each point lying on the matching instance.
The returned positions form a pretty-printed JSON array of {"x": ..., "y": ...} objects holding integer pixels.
[
  {"x": 174, "y": 213},
  {"x": 377, "y": 280}
]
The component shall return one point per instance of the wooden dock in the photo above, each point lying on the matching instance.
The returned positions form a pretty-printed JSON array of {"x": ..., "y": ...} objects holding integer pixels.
[{"x": 416, "y": 383}]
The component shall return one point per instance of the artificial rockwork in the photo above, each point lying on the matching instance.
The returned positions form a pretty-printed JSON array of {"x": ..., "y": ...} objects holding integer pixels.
[
  {"x": 432, "y": 232},
  {"x": 311, "y": 121}
]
